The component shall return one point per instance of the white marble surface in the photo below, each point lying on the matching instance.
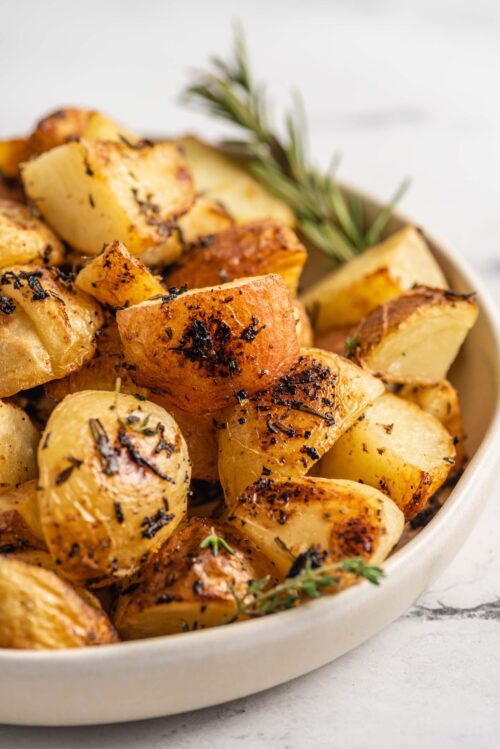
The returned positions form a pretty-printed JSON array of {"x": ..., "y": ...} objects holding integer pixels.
[{"x": 400, "y": 88}]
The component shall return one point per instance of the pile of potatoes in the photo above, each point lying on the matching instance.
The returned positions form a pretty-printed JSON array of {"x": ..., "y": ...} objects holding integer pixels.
[{"x": 161, "y": 382}]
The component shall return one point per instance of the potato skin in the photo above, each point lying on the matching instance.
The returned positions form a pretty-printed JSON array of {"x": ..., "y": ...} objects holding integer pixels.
[
  {"x": 39, "y": 611},
  {"x": 415, "y": 337},
  {"x": 26, "y": 239},
  {"x": 185, "y": 587},
  {"x": 109, "y": 493},
  {"x": 397, "y": 448},
  {"x": 71, "y": 123},
  {"x": 342, "y": 518},
  {"x": 19, "y": 520},
  {"x": 250, "y": 250},
  {"x": 47, "y": 327},
  {"x": 281, "y": 432},
  {"x": 18, "y": 444},
  {"x": 92, "y": 192},
  {"x": 208, "y": 347},
  {"x": 117, "y": 278},
  {"x": 12, "y": 153},
  {"x": 303, "y": 326}
]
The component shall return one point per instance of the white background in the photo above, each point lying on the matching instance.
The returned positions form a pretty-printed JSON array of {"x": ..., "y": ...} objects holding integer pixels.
[{"x": 399, "y": 88}]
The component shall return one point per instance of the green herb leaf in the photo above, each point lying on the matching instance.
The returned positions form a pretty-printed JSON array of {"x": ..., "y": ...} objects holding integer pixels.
[{"x": 214, "y": 541}]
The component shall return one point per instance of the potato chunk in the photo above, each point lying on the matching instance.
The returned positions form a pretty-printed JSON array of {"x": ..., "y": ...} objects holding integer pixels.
[
  {"x": 114, "y": 475},
  {"x": 441, "y": 401},
  {"x": 18, "y": 443},
  {"x": 342, "y": 518},
  {"x": 92, "y": 192},
  {"x": 72, "y": 123},
  {"x": 303, "y": 325},
  {"x": 47, "y": 328},
  {"x": 220, "y": 178},
  {"x": 12, "y": 153},
  {"x": 117, "y": 278},
  {"x": 415, "y": 337},
  {"x": 39, "y": 611},
  {"x": 248, "y": 250},
  {"x": 395, "y": 447},
  {"x": 207, "y": 348},
  {"x": 347, "y": 295},
  {"x": 204, "y": 219},
  {"x": 185, "y": 586},
  {"x": 283, "y": 431},
  {"x": 25, "y": 239},
  {"x": 19, "y": 521}
]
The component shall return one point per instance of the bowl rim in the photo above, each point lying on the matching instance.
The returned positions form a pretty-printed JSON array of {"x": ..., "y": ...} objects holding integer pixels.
[{"x": 190, "y": 644}]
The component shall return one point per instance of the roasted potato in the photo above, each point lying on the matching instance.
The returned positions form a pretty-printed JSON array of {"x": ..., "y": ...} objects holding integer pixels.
[
  {"x": 71, "y": 123},
  {"x": 185, "y": 586},
  {"x": 18, "y": 443},
  {"x": 47, "y": 327},
  {"x": 343, "y": 518},
  {"x": 19, "y": 521},
  {"x": 347, "y": 295},
  {"x": 220, "y": 178},
  {"x": 341, "y": 341},
  {"x": 207, "y": 348},
  {"x": 303, "y": 326},
  {"x": 397, "y": 448},
  {"x": 249, "y": 250},
  {"x": 92, "y": 192},
  {"x": 25, "y": 239},
  {"x": 281, "y": 432},
  {"x": 415, "y": 337},
  {"x": 204, "y": 219},
  {"x": 117, "y": 278},
  {"x": 39, "y": 611},
  {"x": 114, "y": 475},
  {"x": 12, "y": 154},
  {"x": 441, "y": 401}
]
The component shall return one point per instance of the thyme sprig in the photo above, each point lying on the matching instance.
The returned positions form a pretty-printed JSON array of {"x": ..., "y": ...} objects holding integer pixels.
[
  {"x": 326, "y": 216},
  {"x": 310, "y": 582},
  {"x": 214, "y": 541}
]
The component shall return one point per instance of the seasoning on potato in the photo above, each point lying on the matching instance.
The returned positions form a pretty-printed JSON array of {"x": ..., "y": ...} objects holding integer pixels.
[
  {"x": 209, "y": 348},
  {"x": 19, "y": 519},
  {"x": 114, "y": 476}
]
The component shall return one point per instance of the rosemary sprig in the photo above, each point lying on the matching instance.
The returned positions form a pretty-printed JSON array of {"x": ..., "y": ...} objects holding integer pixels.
[
  {"x": 309, "y": 582},
  {"x": 326, "y": 216}
]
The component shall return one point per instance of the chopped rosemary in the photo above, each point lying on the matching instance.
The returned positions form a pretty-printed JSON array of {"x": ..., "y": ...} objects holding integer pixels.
[
  {"x": 326, "y": 216},
  {"x": 214, "y": 541},
  {"x": 310, "y": 581},
  {"x": 107, "y": 455},
  {"x": 351, "y": 344}
]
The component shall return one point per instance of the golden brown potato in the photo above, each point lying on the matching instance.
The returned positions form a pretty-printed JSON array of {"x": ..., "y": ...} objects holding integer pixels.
[
  {"x": 117, "y": 278},
  {"x": 25, "y": 239},
  {"x": 281, "y": 432},
  {"x": 441, "y": 401},
  {"x": 342, "y": 518},
  {"x": 39, "y": 611},
  {"x": 72, "y": 123},
  {"x": 350, "y": 293},
  {"x": 397, "y": 448},
  {"x": 47, "y": 328},
  {"x": 185, "y": 586},
  {"x": 19, "y": 521},
  {"x": 220, "y": 178},
  {"x": 249, "y": 250},
  {"x": 303, "y": 326},
  {"x": 415, "y": 337},
  {"x": 92, "y": 192},
  {"x": 12, "y": 154},
  {"x": 114, "y": 475},
  {"x": 207, "y": 348},
  {"x": 18, "y": 443},
  {"x": 205, "y": 218},
  {"x": 102, "y": 371}
]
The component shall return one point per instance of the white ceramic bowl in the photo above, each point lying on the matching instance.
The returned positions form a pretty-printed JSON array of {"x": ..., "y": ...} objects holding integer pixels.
[{"x": 167, "y": 675}]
